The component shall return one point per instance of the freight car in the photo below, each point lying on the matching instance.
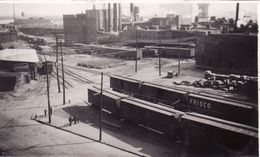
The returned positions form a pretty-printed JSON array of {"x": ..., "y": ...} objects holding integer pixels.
[
  {"x": 46, "y": 66},
  {"x": 192, "y": 128},
  {"x": 158, "y": 118},
  {"x": 237, "y": 111},
  {"x": 174, "y": 52}
]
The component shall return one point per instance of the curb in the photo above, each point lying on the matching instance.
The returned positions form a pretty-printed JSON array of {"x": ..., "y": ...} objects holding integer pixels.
[{"x": 39, "y": 121}]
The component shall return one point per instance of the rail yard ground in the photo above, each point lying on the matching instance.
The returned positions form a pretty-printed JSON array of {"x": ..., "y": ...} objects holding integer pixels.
[{"x": 19, "y": 135}]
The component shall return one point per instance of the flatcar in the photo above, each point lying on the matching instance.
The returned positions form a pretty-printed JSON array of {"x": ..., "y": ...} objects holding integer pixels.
[{"x": 237, "y": 111}]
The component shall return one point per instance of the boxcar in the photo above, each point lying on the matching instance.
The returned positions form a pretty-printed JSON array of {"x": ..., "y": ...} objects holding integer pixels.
[
  {"x": 182, "y": 100},
  {"x": 125, "y": 85},
  {"x": 228, "y": 110},
  {"x": 46, "y": 67},
  {"x": 111, "y": 102},
  {"x": 200, "y": 130},
  {"x": 162, "y": 94}
]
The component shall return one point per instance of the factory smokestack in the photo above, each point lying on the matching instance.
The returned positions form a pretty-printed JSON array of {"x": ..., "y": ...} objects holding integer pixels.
[
  {"x": 115, "y": 20},
  {"x": 237, "y": 14},
  {"x": 109, "y": 18},
  {"x": 119, "y": 16},
  {"x": 131, "y": 10}
]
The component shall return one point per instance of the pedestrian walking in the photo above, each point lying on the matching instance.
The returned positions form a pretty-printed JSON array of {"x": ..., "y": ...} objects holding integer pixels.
[
  {"x": 77, "y": 118},
  {"x": 70, "y": 120},
  {"x": 45, "y": 112},
  {"x": 74, "y": 119}
]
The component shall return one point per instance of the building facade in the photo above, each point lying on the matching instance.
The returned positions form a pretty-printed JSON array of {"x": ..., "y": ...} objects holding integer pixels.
[
  {"x": 227, "y": 53},
  {"x": 8, "y": 33},
  {"x": 80, "y": 28}
]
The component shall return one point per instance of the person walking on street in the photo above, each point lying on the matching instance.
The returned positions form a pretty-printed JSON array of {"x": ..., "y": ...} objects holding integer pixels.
[
  {"x": 70, "y": 120},
  {"x": 74, "y": 119},
  {"x": 77, "y": 118}
]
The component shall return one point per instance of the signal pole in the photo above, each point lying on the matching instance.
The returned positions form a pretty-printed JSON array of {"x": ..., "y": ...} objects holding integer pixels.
[
  {"x": 63, "y": 82},
  {"x": 160, "y": 42},
  {"x": 136, "y": 50},
  {"x": 101, "y": 108},
  {"x": 57, "y": 60}
]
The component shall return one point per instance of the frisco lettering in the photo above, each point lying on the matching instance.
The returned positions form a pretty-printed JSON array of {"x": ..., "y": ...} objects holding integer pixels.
[{"x": 200, "y": 103}]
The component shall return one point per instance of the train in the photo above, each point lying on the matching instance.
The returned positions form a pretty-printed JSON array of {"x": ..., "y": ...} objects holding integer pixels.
[
  {"x": 192, "y": 128},
  {"x": 211, "y": 105},
  {"x": 46, "y": 67}
]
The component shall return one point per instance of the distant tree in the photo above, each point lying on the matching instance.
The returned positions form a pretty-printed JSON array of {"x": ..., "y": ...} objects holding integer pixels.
[{"x": 11, "y": 47}]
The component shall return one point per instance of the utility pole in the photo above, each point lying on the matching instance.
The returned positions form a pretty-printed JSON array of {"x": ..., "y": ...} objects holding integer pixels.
[
  {"x": 136, "y": 50},
  {"x": 48, "y": 91},
  {"x": 179, "y": 58},
  {"x": 14, "y": 13},
  {"x": 62, "y": 67},
  {"x": 101, "y": 108},
  {"x": 57, "y": 60},
  {"x": 160, "y": 42}
]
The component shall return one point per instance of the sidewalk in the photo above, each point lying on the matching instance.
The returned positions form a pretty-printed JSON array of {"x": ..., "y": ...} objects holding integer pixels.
[
  {"x": 80, "y": 130},
  {"x": 116, "y": 139}
]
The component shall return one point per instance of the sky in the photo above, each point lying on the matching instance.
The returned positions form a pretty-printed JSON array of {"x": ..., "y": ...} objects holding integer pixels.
[{"x": 146, "y": 9}]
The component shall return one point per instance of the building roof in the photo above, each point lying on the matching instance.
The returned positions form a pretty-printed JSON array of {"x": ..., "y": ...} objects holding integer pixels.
[{"x": 19, "y": 55}]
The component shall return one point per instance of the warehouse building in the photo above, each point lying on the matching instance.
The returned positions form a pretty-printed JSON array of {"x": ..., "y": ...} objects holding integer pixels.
[
  {"x": 228, "y": 53},
  {"x": 19, "y": 60}
]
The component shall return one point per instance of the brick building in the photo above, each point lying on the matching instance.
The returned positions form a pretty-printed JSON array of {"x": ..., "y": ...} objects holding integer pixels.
[
  {"x": 80, "y": 28},
  {"x": 227, "y": 53}
]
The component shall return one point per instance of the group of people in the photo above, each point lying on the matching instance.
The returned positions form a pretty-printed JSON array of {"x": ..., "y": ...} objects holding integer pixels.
[{"x": 74, "y": 119}]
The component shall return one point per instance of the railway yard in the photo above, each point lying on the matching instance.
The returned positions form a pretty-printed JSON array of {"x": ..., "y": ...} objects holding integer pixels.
[{"x": 143, "y": 114}]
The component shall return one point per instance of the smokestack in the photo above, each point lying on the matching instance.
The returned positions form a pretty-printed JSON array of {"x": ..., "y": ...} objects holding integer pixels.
[
  {"x": 109, "y": 18},
  {"x": 237, "y": 14},
  {"x": 115, "y": 26},
  {"x": 119, "y": 16},
  {"x": 131, "y": 10}
]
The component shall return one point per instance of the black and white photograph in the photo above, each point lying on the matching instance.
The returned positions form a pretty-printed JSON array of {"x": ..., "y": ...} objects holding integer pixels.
[{"x": 114, "y": 78}]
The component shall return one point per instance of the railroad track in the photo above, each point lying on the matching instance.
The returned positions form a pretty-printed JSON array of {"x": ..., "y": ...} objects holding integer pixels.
[
  {"x": 66, "y": 82},
  {"x": 53, "y": 75}
]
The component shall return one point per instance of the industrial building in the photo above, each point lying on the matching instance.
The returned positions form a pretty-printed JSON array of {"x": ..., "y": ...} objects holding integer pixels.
[
  {"x": 17, "y": 66},
  {"x": 80, "y": 28},
  {"x": 83, "y": 28},
  {"x": 229, "y": 53},
  {"x": 8, "y": 33},
  {"x": 32, "y": 22}
]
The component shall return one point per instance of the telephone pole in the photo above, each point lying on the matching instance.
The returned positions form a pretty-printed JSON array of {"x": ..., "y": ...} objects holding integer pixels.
[
  {"x": 160, "y": 42},
  {"x": 101, "y": 108},
  {"x": 57, "y": 60},
  {"x": 62, "y": 67},
  {"x": 136, "y": 50},
  {"x": 48, "y": 90},
  {"x": 14, "y": 13},
  {"x": 179, "y": 58}
]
